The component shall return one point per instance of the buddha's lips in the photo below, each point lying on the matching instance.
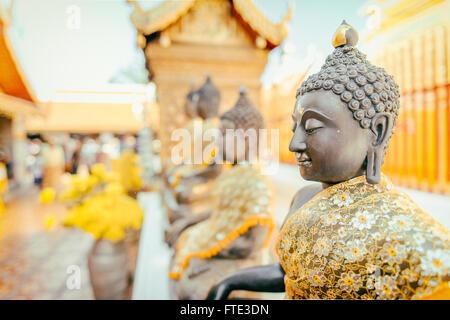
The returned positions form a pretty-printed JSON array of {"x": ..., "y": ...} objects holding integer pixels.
[{"x": 303, "y": 159}]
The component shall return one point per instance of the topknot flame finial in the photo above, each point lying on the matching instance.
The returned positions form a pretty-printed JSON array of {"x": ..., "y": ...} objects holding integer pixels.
[
  {"x": 242, "y": 90},
  {"x": 208, "y": 76},
  {"x": 345, "y": 35}
]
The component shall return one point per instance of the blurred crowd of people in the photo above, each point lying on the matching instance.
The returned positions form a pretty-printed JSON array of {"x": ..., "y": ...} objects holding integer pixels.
[{"x": 50, "y": 157}]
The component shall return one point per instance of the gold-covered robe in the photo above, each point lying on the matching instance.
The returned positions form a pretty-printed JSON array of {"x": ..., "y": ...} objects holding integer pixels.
[
  {"x": 355, "y": 240},
  {"x": 201, "y": 133},
  {"x": 242, "y": 199}
]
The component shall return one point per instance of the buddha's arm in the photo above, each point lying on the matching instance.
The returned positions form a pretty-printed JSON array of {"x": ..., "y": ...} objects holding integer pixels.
[
  {"x": 176, "y": 211},
  {"x": 182, "y": 224},
  {"x": 190, "y": 195},
  {"x": 205, "y": 172},
  {"x": 197, "y": 175},
  {"x": 269, "y": 278},
  {"x": 243, "y": 246}
]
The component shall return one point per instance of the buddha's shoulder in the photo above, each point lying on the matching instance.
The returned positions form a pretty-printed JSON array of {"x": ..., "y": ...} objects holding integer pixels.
[
  {"x": 400, "y": 207},
  {"x": 302, "y": 196}
]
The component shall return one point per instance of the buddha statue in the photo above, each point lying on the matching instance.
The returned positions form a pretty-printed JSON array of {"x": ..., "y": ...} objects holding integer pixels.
[
  {"x": 208, "y": 98},
  {"x": 354, "y": 235},
  {"x": 191, "y": 181},
  {"x": 172, "y": 173},
  {"x": 232, "y": 234}
]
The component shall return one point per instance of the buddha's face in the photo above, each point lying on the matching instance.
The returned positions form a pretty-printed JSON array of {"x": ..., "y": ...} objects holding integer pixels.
[
  {"x": 236, "y": 143},
  {"x": 207, "y": 107},
  {"x": 329, "y": 145},
  {"x": 190, "y": 106}
]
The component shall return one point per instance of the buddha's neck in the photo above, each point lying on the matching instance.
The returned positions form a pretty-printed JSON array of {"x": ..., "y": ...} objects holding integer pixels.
[{"x": 329, "y": 184}]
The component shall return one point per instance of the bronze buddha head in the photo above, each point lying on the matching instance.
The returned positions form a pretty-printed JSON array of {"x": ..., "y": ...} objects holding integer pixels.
[
  {"x": 241, "y": 125},
  {"x": 344, "y": 116},
  {"x": 208, "y": 100}
]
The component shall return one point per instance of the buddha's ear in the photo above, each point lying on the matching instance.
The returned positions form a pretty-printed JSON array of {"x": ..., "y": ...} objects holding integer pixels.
[{"x": 381, "y": 127}]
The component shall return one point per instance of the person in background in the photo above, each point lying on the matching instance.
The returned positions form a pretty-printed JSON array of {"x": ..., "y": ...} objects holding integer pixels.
[
  {"x": 102, "y": 155},
  {"x": 36, "y": 164},
  {"x": 89, "y": 151},
  {"x": 6, "y": 159},
  {"x": 76, "y": 156},
  {"x": 3, "y": 179},
  {"x": 53, "y": 164}
]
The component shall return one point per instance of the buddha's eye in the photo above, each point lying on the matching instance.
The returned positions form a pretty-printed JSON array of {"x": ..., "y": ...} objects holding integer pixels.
[{"x": 312, "y": 125}]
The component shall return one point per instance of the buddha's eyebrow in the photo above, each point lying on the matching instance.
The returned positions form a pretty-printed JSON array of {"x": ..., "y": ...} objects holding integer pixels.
[{"x": 309, "y": 113}]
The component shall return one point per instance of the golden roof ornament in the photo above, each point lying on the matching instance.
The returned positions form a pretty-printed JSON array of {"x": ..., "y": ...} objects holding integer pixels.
[{"x": 345, "y": 35}]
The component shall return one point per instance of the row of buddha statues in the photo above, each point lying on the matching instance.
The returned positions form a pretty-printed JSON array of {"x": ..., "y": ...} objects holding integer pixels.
[{"x": 353, "y": 235}]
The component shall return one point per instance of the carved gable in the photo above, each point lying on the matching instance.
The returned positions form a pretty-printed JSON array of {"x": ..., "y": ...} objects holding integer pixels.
[{"x": 210, "y": 22}]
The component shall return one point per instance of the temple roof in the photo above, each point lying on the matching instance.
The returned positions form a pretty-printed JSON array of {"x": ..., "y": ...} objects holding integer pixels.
[
  {"x": 394, "y": 13},
  {"x": 168, "y": 12},
  {"x": 12, "y": 78},
  {"x": 16, "y": 94},
  {"x": 79, "y": 110}
]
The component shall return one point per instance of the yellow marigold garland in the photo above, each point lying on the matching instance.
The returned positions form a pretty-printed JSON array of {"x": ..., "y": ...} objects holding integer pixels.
[{"x": 222, "y": 244}]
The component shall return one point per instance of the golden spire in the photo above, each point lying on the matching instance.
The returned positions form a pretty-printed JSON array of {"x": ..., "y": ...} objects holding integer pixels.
[{"x": 345, "y": 35}]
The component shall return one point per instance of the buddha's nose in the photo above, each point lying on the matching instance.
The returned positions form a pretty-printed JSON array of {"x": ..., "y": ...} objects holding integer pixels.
[{"x": 298, "y": 141}]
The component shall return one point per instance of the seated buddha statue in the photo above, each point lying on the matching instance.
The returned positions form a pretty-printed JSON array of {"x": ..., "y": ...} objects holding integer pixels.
[
  {"x": 188, "y": 184},
  {"x": 201, "y": 107},
  {"x": 171, "y": 172},
  {"x": 354, "y": 235},
  {"x": 232, "y": 235}
]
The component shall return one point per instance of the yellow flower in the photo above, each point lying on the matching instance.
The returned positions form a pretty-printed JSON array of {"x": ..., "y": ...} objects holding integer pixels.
[
  {"x": 114, "y": 188},
  {"x": 49, "y": 223},
  {"x": 128, "y": 171},
  {"x": 2, "y": 206},
  {"x": 99, "y": 170},
  {"x": 114, "y": 234},
  {"x": 107, "y": 214},
  {"x": 68, "y": 194},
  {"x": 47, "y": 195},
  {"x": 92, "y": 181},
  {"x": 79, "y": 183},
  {"x": 112, "y": 177}
]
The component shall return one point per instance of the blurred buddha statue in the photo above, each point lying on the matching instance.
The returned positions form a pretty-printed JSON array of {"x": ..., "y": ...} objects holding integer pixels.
[
  {"x": 354, "y": 235},
  {"x": 231, "y": 236},
  {"x": 202, "y": 107},
  {"x": 191, "y": 179}
]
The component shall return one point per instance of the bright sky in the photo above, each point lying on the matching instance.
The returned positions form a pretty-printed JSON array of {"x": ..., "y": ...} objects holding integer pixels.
[{"x": 56, "y": 54}]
